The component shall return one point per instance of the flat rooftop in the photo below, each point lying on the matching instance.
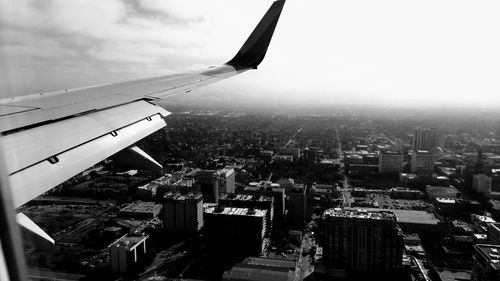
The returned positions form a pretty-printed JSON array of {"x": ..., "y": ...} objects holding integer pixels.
[
  {"x": 245, "y": 197},
  {"x": 129, "y": 242},
  {"x": 236, "y": 211},
  {"x": 180, "y": 196},
  {"x": 141, "y": 207},
  {"x": 360, "y": 213},
  {"x": 410, "y": 216}
]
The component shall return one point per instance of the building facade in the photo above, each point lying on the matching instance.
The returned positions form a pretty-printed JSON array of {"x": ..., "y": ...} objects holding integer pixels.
[
  {"x": 361, "y": 242},
  {"x": 422, "y": 160},
  {"x": 182, "y": 213},
  {"x": 271, "y": 189},
  {"x": 390, "y": 162},
  {"x": 297, "y": 206},
  {"x": 481, "y": 184},
  {"x": 256, "y": 201},
  {"x": 126, "y": 252},
  {"x": 427, "y": 139},
  {"x": 235, "y": 231}
]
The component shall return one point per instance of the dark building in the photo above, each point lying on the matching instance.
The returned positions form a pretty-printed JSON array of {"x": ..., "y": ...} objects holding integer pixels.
[
  {"x": 359, "y": 243},
  {"x": 182, "y": 213},
  {"x": 297, "y": 206},
  {"x": 270, "y": 189},
  {"x": 205, "y": 183},
  {"x": 254, "y": 201},
  {"x": 311, "y": 155},
  {"x": 235, "y": 231}
]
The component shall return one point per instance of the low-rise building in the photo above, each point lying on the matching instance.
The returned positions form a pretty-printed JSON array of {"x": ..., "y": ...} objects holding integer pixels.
[
  {"x": 262, "y": 269},
  {"x": 141, "y": 210},
  {"x": 442, "y": 191},
  {"x": 486, "y": 265},
  {"x": 494, "y": 233},
  {"x": 405, "y": 193}
]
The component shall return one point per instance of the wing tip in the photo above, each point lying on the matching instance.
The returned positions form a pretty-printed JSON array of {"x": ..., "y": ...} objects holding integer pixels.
[{"x": 255, "y": 47}]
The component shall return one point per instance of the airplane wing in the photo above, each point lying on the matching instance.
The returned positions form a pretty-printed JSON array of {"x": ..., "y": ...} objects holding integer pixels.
[{"x": 48, "y": 138}]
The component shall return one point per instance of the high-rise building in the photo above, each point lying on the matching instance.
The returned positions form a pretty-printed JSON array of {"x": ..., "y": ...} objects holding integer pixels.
[
  {"x": 311, "y": 154},
  {"x": 255, "y": 201},
  {"x": 271, "y": 189},
  {"x": 358, "y": 242},
  {"x": 486, "y": 264},
  {"x": 182, "y": 213},
  {"x": 390, "y": 162},
  {"x": 427, "y": 139},
  {"x": 297, "y": 205},
  {"x": 205, "y": 184},
  {"x": 481, "y": 184},
  {"x": 224, "y": 181},
  {"x": 126, "y": 252},
  {"x": 212, "y": 183},
  {"x": 235, "y": 231},
  {"x": 422, "y": 160}
]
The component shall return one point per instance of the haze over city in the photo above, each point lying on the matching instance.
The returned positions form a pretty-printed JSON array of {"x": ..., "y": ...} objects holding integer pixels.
[{"x": 388, "y": 53}]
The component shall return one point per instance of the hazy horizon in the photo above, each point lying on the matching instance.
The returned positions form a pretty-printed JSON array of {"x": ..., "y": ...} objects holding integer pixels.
[{"x": 381, "y": 53}]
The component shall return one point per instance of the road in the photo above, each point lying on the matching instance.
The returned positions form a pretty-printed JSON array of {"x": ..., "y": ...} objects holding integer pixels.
[
  {"x": 346, "y": 190},
  {"x": 290, "y": 140}
]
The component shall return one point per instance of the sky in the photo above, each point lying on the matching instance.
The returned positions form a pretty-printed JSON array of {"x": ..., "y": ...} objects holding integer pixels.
[{"x": 373, "y": 52}]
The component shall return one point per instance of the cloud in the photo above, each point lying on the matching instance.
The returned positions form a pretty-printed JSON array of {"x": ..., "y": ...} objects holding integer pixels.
[{"x": 378, "y": 51}]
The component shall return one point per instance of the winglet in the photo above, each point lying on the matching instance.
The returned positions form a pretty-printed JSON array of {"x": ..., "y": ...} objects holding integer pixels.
[{"x": 253, "y": 51}]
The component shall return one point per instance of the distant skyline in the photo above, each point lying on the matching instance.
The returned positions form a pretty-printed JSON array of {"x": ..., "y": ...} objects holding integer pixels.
[{"x": 387, "y": 53}]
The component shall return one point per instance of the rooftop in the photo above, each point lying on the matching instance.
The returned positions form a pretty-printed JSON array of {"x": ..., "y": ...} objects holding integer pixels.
[
  {"x": 262, "y": 184},
  {"x": 236, "y": 211},
  {"x": 262, "y": 269},
  {"x": 129, "y": 242},
  {"x": 141, "y": 207},
  {"x": 491, "y": 253},
  {"x": 245, "y": 197},
  {"x": 410, "y": 216},
  {"x": 180, "y": 196},
  {"x": 445, "y": 200},
  {"x": 224, "y": 172},
  {"x": 360, "y": 214}
]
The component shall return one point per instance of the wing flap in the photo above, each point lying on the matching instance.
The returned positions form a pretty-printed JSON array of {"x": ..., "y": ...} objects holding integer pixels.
[
  {"x": 41, "y": 177},
  {"x": 27, "y": 147}
]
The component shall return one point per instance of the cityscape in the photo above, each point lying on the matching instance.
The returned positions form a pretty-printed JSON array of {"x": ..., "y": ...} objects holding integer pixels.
[
  {"x": 317, "y": 194},
  {"x": 272, "y": 140}
]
